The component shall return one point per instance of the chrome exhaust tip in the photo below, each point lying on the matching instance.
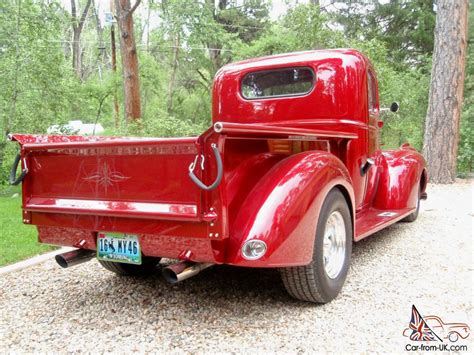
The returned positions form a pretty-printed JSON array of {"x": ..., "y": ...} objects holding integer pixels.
[
  {"x": 184, "y": 270},
  {"x": 74, "y": 257}
]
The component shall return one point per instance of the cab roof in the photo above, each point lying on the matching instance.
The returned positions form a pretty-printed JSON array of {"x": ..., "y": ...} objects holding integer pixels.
[
  {"x": 339, "y": 88},
  {"x": 296, "y": 58}
]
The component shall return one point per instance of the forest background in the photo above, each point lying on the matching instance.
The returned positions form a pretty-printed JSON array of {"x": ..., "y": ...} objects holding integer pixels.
[{"x": 50, "y": 75}]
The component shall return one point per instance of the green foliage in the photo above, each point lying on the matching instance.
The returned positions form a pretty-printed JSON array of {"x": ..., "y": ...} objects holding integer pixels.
[
  {"x": 410, "y": 90},
  {"x": 246, "y": 20},
  {"x": 32, "y": 74},
  {"x": 408, "y": 86},
  {"x": 18, "y": 241},
  {"x": 406, "y": 27},
  {"x": 191, "y": 40},
  {"x": 304, "y": 27}
]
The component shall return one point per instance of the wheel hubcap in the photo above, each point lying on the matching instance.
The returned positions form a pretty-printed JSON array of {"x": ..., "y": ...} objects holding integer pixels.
[{"x": 334, "y": 244}]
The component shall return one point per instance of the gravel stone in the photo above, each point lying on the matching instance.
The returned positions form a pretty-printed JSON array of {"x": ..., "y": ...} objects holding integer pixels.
[{"x": 224, "y": 309}]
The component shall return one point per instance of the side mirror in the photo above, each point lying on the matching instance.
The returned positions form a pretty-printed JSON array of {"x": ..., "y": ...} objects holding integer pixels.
[{"x": 394, "y": 107}]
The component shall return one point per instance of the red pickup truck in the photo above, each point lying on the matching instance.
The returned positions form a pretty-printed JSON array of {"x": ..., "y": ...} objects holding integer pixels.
[{"x": 288, "y": 176}]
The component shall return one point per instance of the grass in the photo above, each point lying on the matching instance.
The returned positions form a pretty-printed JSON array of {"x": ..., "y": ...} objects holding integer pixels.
[{"x": 17, "y": 240}]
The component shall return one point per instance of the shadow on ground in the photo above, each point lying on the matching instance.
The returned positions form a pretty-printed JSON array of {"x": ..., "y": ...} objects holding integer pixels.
[{"x": 232, "y": 292}]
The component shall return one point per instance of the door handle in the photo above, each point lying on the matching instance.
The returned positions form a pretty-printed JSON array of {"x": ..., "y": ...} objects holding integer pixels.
[{"x": 366, "y": 166}]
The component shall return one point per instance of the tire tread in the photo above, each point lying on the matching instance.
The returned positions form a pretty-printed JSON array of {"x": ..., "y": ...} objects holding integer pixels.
[
  {"x": 301, "y": 283},
  {"x": 147, "y": 267},
  {"x": 113, "y": 267}
]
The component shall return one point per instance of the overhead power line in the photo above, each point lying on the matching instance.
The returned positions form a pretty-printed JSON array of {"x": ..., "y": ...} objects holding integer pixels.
[{"x": 141, "y": 46}]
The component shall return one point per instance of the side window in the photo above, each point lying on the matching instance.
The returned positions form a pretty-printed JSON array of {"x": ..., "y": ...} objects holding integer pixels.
[
  {"x": 278, "y": 83},
  {"x": 373, "y": 112},
  {"x": 372, "y": 94}
]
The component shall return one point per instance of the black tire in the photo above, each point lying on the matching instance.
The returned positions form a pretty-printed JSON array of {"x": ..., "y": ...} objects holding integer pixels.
[
  {"x": 413, "y": 216},
  {"x": 311, "y": 282},
  {"x": 147, "y": 267}
]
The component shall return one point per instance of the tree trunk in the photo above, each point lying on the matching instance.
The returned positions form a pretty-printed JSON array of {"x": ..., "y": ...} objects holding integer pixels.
[
  {"x": 100, "y": 38},
  {"x": 215, "y": 48},
  {"x": 77, "y": 26},
  {"x": 446, "y": 91},
  {"x": 114, "y": 69},
  {"x": 76, "y": 54},
  {"x": 131, "y": 82},
  {"x": 174, "y": 68}
]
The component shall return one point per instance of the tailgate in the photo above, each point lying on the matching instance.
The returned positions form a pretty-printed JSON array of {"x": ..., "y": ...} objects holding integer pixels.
[{"x": 122, "y": 177}]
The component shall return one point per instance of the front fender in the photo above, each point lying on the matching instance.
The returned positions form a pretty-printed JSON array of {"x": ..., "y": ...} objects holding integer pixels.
[
  {"x": 400, "y": 179},
  {"x": 283, "y": 209}
]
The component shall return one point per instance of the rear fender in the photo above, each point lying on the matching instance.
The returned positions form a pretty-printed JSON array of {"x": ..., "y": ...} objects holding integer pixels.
[
  {"x": 404, "y": 171},
  {"x": 283, "y": 209}
]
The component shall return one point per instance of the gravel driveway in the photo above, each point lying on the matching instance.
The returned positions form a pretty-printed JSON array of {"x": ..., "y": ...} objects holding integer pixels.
[{"x": 427, "y": 263}]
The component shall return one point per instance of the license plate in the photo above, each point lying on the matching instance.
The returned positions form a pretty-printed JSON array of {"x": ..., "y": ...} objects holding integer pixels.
[{"x": 119, "y": 247}]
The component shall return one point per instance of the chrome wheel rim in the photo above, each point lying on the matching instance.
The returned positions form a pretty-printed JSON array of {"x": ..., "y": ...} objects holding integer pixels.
[{"x": 334, "y": 244}]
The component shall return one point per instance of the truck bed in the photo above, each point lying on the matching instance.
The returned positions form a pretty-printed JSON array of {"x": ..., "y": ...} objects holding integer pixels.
[
  {"x": 78, "y": 186},
  {"x": 119, "y": 177}
]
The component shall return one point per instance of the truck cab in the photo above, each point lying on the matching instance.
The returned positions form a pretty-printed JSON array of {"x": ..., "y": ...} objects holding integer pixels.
[{"x": 289, "y": 175}]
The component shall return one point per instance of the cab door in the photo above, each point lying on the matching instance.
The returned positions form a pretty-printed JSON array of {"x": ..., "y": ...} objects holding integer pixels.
[
  {"x": 374, "y": 114},
  {"x": 373, "y": 148}
]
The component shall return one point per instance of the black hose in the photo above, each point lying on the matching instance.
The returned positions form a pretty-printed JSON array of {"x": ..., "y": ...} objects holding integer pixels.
[
  {"x": 13, "y": 179},
  {"x": 220, "y": 171}
]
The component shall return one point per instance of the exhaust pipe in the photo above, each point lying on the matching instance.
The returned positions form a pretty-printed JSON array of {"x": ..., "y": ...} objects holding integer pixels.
[
  {"x": 74, "y": 257},
  {"x": 183, "y": 270}
]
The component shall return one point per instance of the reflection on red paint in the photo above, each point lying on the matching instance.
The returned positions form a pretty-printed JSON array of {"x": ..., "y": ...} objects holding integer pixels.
[{"x": 281, "y": 156}]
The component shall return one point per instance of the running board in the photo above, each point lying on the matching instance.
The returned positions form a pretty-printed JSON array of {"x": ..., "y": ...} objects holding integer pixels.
[{"x": 373, "y": 220}]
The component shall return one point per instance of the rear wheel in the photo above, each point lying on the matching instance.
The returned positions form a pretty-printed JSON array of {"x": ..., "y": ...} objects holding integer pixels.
[
  {"x": 322, "y": 280},
  {"x": 147, "y": 267}
]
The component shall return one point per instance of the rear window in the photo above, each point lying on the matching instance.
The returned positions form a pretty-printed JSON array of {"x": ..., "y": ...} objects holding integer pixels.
[{"x": 278, "y": 83}]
